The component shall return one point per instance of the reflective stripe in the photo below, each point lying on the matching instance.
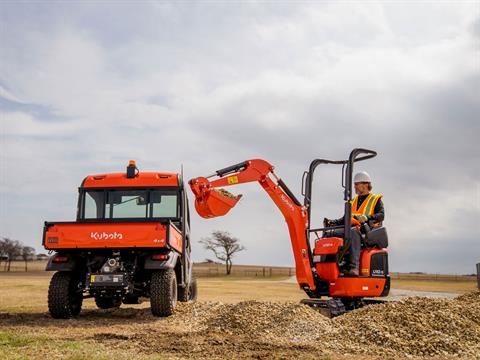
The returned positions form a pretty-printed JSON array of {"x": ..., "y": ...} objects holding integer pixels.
[
  {"x": 369, "y": 207},
  {"x": 361, "y": 209}
]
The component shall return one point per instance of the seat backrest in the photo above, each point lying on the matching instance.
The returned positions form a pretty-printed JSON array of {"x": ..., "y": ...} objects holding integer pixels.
[{"x": 377, "y": 237}]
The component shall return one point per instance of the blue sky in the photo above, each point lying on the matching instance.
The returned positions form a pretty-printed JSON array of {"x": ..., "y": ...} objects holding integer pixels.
[{"x": 86, "y": 86}]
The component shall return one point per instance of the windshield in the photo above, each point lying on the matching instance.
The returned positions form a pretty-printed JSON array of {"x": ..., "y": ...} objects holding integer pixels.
[{"x": 128, "y": 204}]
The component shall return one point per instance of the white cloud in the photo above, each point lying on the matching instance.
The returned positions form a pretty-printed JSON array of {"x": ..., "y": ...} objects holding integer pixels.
[{"x": 207, "y": 86}]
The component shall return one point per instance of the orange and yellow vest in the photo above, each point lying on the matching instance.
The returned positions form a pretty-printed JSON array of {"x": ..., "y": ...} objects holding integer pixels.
[{"x": 368, "y": 205}]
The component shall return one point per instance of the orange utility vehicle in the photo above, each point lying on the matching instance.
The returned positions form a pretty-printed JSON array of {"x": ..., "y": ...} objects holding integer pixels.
[
  {"x": 131, "y": 240},
  {"x": 318, "y": 267}
]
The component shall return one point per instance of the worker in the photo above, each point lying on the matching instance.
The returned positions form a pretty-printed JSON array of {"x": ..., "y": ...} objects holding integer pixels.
[{"x": 366, "y": 208}]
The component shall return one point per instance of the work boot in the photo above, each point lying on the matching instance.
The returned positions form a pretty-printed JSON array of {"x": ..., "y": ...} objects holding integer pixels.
[{"x": 353, "y": 272}]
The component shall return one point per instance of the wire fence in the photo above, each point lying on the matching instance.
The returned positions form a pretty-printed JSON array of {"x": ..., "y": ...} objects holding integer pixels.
[
  {"x": 211, "y": 270},
  {"x": 252, "y": 271}
]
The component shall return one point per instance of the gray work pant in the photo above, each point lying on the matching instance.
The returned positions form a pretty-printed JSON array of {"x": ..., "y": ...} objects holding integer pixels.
[{"x": 353, "y": 256}]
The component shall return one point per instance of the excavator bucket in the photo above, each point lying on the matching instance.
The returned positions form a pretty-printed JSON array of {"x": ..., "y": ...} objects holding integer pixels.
[
  {"x": 210, "y": 202},
  {"x": 217, "y": 202}
]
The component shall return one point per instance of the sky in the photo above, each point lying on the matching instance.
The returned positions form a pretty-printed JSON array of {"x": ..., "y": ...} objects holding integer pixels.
[{"x": 87, "y": 86}]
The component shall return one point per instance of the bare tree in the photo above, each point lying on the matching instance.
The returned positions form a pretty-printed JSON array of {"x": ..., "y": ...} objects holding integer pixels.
[
  {"x": 11, "y": 248},
  {"x": 224, "y": 246},
  {"x": 27, "y": 253}
]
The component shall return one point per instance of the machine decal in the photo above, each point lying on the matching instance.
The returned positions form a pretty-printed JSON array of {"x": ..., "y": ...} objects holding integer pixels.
[{"x": 232, "y": 180}]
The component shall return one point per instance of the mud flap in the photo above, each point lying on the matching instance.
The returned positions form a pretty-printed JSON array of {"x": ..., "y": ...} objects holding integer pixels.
[{"x": 169, "y": 263}]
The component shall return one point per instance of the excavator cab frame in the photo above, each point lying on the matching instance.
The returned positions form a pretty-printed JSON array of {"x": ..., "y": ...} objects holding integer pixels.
[{"x": 347, "y": 175}]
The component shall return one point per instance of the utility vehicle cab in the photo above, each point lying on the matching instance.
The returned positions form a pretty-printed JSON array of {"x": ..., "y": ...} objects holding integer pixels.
[{"x": 131, "y": 236}]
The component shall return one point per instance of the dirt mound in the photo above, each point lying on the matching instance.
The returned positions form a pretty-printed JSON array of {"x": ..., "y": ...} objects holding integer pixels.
[
  {"x": 412, "y": 327},
  {"x": 292, "y": 321},
  {"x": 415, "y": 326}
]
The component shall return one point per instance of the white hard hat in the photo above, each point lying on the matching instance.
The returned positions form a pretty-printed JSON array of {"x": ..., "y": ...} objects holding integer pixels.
[{"x": 362, "y": 176}]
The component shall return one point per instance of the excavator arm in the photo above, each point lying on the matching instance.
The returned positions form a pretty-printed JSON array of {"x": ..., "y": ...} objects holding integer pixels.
[{"x": 212, "y": 202}]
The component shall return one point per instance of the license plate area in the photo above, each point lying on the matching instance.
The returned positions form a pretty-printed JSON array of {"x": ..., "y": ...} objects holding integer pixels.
[{"x": 107, "y": 280}]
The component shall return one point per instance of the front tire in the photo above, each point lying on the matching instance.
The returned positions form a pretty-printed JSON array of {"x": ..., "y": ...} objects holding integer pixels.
[
  {"x": 65, "y": 297},
  {"x": 163, "y": 292}
]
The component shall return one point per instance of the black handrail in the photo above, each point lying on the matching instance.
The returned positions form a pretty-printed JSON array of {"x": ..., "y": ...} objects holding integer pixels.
[
  {"x": 348, "y": 180},
  {"x": 348, "y": 187}
]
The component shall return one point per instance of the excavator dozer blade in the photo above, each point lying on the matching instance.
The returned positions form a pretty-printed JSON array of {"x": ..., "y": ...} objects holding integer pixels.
[{"x": 215, "y": 203}]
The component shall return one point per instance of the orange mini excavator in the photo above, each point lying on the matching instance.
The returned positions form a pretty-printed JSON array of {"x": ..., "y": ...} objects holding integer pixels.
[{"x": 318, "y": 271}]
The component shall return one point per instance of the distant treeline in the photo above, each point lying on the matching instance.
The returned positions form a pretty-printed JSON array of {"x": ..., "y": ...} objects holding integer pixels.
[{"x": 11, "y": 250}]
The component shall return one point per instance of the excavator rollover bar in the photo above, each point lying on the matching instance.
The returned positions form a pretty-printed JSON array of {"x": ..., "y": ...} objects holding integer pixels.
[{"x": 210, "y": 201}]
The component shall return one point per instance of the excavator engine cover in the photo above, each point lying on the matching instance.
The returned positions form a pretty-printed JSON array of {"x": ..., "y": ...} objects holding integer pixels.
[{"x": 325, "y": 257}]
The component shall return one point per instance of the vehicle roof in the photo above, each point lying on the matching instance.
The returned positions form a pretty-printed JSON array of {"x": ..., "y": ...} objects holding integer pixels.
[{"x": 142, "y": 179}]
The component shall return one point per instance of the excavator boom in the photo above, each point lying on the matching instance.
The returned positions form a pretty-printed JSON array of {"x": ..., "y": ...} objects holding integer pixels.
[{"x": 210, "y": 201}]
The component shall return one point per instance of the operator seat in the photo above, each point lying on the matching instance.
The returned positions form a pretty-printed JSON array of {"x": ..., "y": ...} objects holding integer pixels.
[{"x": 375, "y": 237}]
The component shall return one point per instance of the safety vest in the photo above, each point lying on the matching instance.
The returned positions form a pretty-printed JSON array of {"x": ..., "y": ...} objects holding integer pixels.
[{"x": 368, "y": 205}]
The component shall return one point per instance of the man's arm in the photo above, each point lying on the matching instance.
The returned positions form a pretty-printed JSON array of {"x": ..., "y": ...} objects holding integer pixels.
[
  {"x": 378, "y": 212},
  {"x": 335, "y": 222}
]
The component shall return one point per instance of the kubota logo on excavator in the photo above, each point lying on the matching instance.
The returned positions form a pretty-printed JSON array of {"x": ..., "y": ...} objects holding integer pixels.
[
  {"x": 285, "y": 200},
  {"x": 106, "y": 236}
]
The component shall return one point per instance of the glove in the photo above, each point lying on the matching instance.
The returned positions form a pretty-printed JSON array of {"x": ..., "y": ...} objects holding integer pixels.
[{"x": 361, "y": 218}]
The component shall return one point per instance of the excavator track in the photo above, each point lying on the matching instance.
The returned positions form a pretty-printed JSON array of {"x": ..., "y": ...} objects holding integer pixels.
[{"x": 338, "y": 306}]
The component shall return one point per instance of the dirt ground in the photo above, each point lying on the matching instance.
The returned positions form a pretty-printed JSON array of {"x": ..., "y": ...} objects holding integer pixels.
[{"x": 256, "y": 310}]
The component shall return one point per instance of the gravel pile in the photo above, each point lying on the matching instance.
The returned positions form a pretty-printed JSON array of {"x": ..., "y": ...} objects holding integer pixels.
[
  {"x": 225, "y": 193},
  {"x": 415, "y": 327},
  {"x": 291, "y": 321}
]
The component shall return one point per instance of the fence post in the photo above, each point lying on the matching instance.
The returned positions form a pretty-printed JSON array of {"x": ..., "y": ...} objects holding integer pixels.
[{"x": 478, "y": 275}]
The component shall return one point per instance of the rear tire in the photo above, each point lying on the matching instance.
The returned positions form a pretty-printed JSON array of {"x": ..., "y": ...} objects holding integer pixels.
[
  {"x": 193, "y": 290},
  {"x": 107, "y": 302},
  {"x": 188, "y": 293},
  {"x": 65, "y": 298},
  {"x": 163, "y": 292}
]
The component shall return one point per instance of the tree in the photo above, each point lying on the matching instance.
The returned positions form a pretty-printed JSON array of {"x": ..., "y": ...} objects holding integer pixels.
[
  {"x": 11, "y": 248},
  {"x": 224, "y": 246},
  {"x": 27, "y": 252}
]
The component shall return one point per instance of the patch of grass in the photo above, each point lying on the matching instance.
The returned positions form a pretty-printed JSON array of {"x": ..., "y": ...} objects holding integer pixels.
[
  {"x": 15, "y": 346},
  {"x": 16, "y": 340}
]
